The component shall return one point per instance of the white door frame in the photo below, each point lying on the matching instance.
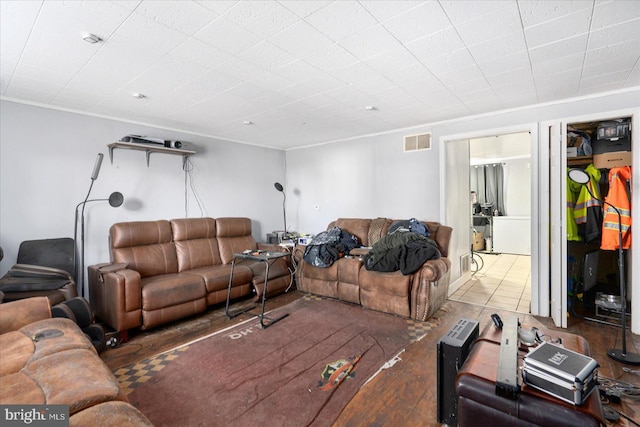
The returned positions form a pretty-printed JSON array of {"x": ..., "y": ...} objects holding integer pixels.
[
  {"x": 541, "y": 187},
  {"x": 538, "y": 306},
  {"x": 552, "y": 135}
]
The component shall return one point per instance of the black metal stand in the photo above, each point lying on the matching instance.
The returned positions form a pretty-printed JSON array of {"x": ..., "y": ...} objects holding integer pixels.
[
  {"x": 621, "y": 355},
  {"x": 262, "y": 257},
  {"x": 235, "y": 313}
]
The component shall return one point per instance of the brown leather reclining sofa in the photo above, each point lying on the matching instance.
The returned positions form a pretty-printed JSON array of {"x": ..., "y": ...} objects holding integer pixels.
[
  {"x": 49, "y": 361},
  {"x": 161, "y": 271},
  {"x": 417, "y": 296}
]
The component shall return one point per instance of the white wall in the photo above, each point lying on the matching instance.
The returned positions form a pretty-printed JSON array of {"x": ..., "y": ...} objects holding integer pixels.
[
  {"x": 367, "y": 177},
  {"x": 46, "y": 159}
]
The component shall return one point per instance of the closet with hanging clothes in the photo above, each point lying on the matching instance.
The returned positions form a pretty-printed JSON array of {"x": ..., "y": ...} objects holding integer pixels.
[{"x": 603, "y": 150}]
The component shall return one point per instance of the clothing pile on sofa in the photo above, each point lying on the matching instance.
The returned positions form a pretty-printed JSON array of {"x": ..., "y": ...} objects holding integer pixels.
[
  {"x": 329, "y": 246},
  {"x": 406, "y": 247}
]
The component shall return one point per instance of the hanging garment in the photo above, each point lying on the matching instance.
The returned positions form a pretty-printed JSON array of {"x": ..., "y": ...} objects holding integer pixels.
[
  {"x": 573, "y": 190},
  {"x": 587, "y": 211},
  {"x": 619, "y": 198}
]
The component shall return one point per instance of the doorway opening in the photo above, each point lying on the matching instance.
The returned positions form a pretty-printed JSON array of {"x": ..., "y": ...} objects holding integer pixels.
[{"x": 500, "y": 194}]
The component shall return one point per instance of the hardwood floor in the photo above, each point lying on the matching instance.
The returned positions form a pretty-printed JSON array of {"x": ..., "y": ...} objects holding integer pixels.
[{"x": 406, "y": 393}]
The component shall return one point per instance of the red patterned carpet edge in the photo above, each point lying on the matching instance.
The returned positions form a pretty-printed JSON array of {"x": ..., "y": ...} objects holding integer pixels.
[{"x": 300, "y": 371}]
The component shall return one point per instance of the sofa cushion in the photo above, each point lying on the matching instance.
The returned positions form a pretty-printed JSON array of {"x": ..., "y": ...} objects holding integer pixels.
[
  {"x": 442, "y": 235},
  {"x": 55, "y": 335},
  {"x": 15, "y": 351},
  {"x": 196, "y": 242},
  {"x": 77, "y": 378},
  {"x": 110, "y": 414},
  {"x": 216, "y": 277},
  {"x": 321, "y": 273},
  {"x": 22, "y": 312},
  {"x": 193, "y": 228},
  {"x": 234, "y": 236},
  {"x": 359, "y": 227},
  {"x": 386, "y": 292},
  {"x": 145, "y": 246},
  {"x": 20, "y": 389},
  {"x": 171, "y": 289},
  {"x": 378, "y": 229},
  {"x": 349, "y": 279}
]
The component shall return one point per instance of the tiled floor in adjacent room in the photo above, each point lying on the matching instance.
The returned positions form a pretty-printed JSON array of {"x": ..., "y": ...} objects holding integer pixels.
[{"x": 504, "y": 282}]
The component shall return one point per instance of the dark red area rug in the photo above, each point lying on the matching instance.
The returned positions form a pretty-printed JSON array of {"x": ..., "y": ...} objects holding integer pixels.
[{"x": 300, "y": 371}]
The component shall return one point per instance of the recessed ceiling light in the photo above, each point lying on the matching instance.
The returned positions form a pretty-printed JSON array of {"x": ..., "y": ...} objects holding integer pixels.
[
  {"x": 370, "y": 108},
  {"x": 91, "y": 38},
  {"x": 139, "y": 95},
  {"x": 247, "y": 122}
]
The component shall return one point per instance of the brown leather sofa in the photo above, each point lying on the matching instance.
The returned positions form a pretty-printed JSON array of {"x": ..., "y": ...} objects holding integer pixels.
[
  {"x": 417, "y": 296},
  {"x": 49, "y": 361},
  {"x": 161, "y": 271}
]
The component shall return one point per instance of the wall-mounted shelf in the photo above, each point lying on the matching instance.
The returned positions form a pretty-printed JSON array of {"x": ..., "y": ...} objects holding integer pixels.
[{"x": 148, "y": 149}]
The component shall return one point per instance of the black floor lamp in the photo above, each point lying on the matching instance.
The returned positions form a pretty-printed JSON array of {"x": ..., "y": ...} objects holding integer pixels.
[
  {"x": 280, "y": 188},
  {"x": 621, "y": 355},
  {"x": 115, "y": 200}
]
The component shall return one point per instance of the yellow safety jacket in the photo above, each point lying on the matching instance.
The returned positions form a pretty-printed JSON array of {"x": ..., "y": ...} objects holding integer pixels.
[
  {"x": 587, "y": 211},
  {"x": 573, "y": 190},
  {"x": 619, "y": 198}
]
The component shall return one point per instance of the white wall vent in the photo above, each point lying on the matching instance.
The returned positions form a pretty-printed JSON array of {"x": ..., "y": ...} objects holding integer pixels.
[
  {"x": 417, "y": 142},
  {"x": 465, "y": 264}
]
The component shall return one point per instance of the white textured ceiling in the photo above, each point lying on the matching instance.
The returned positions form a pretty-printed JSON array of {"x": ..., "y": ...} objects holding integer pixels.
[{"x": 303, "y": 72}]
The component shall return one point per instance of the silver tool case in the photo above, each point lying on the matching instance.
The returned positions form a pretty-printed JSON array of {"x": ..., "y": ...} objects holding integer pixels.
[{"x": 562, "y": 373}]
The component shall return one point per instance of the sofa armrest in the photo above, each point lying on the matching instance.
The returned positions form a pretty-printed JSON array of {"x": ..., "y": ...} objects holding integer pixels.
[
  {"x": 16, "y": 314},
  {"x": 434, "y": 269},
  {"x": 298, "y": 253},
  {"x": 116, "y": 295},
  {"x": 430, "y": 288}
]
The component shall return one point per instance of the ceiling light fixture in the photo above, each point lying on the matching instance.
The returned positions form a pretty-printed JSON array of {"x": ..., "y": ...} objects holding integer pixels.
[
  {"x": 91, "y": 38},
  {"x": 138, "y": 95},
  {"x": 370, "y": 108},
  {"x": 247, "y": 122}
]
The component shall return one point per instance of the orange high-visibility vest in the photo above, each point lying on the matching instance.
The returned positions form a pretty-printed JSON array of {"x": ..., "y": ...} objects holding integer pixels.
[{"x": 619, "y": 198}]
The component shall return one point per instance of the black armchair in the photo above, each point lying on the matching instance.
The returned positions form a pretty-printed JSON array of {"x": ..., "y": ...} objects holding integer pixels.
[{"x": 44, "y": 268}]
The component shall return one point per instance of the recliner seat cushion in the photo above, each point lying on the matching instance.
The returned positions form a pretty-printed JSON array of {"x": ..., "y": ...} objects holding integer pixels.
[
  {"x": 171, "y": 289},
  {"x": 76, "y": 378},
  {"x": 216, "y": 277}
]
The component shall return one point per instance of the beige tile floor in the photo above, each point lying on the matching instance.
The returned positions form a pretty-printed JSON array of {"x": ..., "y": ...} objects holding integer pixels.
[{"x": 504, "y": 282}]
